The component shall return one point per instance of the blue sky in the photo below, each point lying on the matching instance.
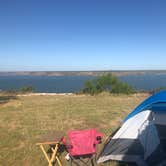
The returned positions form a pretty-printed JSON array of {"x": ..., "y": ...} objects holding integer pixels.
[{"x": 82, "y": 35}]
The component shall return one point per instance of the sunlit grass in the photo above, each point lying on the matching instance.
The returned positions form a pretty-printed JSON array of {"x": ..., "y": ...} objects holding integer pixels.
[{"x": 24, "y": 120}]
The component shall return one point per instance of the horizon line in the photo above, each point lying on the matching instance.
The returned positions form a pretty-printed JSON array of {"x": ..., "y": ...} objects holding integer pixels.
[{"x": 121, "y": 70}]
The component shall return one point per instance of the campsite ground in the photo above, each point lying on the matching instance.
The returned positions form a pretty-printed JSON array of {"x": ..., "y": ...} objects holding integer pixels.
[{"x": 25, "y": 119}]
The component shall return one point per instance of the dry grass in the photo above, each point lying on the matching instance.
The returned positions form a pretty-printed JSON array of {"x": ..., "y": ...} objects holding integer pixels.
[{"x": 24, "y": 120}]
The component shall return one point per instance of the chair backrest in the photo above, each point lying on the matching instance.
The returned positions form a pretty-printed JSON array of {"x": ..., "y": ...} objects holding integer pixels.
[{"x": 83, "y": 142}]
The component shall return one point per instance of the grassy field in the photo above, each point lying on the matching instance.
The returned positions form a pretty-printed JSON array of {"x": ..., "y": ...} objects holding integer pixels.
[{"x": 25, "y": 119}]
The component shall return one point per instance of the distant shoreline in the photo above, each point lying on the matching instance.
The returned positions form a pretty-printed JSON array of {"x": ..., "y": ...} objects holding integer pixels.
[
  {"x": 71, "y": 82},
  {"x": 82, "y": 73},
  {"x": 46, "y": 94},
  {"x": 69, "y": 94}
]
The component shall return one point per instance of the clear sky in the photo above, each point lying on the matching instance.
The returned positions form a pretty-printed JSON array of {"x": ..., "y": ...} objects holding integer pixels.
[{"x": 82, "y": 35}]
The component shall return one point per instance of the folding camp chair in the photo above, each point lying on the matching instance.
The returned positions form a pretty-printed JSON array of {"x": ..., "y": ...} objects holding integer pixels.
[
  {"x": 82, "y": 146},
  {"x": 55, "y": 147}
]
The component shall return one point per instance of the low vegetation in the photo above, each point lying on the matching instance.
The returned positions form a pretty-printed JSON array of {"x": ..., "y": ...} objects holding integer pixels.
[
  {"x": 27, "y": 89},
  {"x": 21, "y": 90},
  {"x": 109, "y": 83},
  {"x": 24, "y": 120},
  {"x": 156, "y": 90}
]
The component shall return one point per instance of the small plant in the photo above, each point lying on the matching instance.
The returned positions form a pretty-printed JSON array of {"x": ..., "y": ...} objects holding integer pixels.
[
  {"x": 122, "y": 87},
  {"x": 27, "y": 89},
  {"x": 89, "y": 88}
]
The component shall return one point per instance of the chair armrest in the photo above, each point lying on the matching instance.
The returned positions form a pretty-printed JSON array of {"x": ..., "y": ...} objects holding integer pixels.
[{"x": 98, "y": 139}]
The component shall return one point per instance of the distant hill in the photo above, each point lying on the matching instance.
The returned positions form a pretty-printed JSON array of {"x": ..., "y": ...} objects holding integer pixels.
[{"x": 81, "y": 73}]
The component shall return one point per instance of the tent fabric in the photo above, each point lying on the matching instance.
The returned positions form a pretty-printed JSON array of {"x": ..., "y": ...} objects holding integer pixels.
[
  {"x": 149, "y": 138},
  {"x": 142, "y": 136},
  {"x": 157, "y": 98}
]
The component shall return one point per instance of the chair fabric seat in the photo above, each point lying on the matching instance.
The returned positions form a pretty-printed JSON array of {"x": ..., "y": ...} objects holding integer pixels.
[
  {"x": 82, "y": 145},
  {"x": 82, "y": 142}
]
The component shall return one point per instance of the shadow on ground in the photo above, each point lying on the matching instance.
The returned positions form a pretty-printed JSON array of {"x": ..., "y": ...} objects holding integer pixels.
[
  {"x": 123, "y": 164},
  {"x": 119, "y": 164},
  {"x": 6, "y": 99}
]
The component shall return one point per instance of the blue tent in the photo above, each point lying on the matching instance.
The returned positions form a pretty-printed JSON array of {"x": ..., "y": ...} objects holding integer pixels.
[{"x": 142, "y": 136}]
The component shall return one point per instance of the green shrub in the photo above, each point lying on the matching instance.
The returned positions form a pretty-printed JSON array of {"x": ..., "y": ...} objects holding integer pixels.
[
  {"x": 122, "y": 87},
  {"x": 89, "y": 88},
  {"x": 103, "y": 83},
  {"x": 27, "y": 89},
  {"x": 107, "y": 82}
]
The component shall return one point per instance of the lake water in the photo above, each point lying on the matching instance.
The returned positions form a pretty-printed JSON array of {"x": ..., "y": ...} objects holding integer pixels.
[{"x": 66, "y": 84}]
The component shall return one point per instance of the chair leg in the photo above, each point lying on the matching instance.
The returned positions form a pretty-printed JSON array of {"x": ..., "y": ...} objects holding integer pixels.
[
  {"x": 59, "y": 162},
  {"x": 45, "y": 154},
  {"x": 80, "y": 161},
  {"x": 93, "y": 162},
  {"x": 70, "y": 161}
]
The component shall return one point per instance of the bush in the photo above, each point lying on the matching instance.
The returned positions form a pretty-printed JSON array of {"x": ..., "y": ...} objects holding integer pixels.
[
  {"x": 27, "y": 89},
  {"x": 123, "y": 88},
  {"x": 103, "y": 83},
  {"x": 89, "y": 88},
  {"x": 109, "y": 83}
]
